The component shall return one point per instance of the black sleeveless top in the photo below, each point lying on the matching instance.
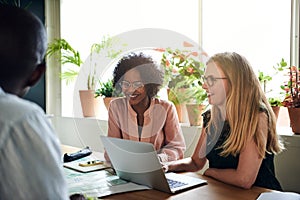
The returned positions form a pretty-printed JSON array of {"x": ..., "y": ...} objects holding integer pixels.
[{"x": 266, "y": 175}]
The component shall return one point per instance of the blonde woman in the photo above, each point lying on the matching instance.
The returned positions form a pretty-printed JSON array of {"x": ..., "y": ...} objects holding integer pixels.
[{"x": 239, "y": 137}]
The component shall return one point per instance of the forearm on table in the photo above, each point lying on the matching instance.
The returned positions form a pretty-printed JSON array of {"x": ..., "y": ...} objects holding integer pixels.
[
  {"x": 231, "y": 176},
  {"x": 186, "y": 164}
]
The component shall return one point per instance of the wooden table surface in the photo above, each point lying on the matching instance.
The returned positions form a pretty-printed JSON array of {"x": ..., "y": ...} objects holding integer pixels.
[{"x": 213, "y": 190}]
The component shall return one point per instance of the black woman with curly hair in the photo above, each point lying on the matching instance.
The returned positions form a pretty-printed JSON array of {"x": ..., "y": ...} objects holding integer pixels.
[{"x": 140, "y": 115}]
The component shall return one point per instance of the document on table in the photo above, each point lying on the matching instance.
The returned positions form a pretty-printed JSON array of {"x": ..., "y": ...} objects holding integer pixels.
[
  {"x": 98, "y": 183},
  {"x": 276, "y": 195}
]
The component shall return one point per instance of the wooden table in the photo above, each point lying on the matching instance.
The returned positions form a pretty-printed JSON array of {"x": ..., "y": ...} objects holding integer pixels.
[{"x": 214, "y": 190}]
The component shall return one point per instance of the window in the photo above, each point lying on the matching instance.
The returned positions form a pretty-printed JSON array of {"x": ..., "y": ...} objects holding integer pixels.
[
  {"x": 259, "y": 30},
  {"x": 84, "y": 22}
]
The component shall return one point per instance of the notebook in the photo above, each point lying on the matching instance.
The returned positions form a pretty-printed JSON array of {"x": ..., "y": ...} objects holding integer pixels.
[{"x": 138, "y": 162}]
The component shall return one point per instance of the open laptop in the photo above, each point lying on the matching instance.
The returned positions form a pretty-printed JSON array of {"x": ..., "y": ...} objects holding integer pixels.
[{"x": 138, "y": 162}]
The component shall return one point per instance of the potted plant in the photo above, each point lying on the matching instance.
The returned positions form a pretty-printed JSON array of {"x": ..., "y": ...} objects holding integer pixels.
[
  {"x": 292, "y": 97},
  {"x": 182, "y": 77},
  {"x": 274, "y": 99},
  {"x": 68, "y": 55},
  {"x": 196, "y": 105},
  {"x": 107, "y": 91},
  {"x": 70, "y": 58},
  {"x": 275, "y": 102}
]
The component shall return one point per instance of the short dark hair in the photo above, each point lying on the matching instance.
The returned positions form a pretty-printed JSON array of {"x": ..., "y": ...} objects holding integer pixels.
[
  {"x": 23, "y": 42},
  {"x": 151, "y": 75}
]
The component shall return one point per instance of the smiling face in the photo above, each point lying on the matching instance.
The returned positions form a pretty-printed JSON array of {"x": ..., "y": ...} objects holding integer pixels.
[
  {"x": 217, "y": 86},
  {"x": 135, "y": 93}
]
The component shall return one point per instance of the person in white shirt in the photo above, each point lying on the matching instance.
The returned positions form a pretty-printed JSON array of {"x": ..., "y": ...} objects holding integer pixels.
[{"x": 31, "y": 163}]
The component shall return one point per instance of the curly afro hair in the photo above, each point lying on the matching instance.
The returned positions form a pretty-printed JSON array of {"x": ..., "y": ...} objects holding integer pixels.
[{"x": 151, "y": 75}]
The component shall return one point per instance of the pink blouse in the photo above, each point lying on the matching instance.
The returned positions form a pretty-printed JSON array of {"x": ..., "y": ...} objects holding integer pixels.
[{"x": 161, "y": 127}]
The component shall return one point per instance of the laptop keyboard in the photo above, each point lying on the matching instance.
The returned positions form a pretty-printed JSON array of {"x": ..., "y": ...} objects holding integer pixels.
[{"x": 175, "y": 184}]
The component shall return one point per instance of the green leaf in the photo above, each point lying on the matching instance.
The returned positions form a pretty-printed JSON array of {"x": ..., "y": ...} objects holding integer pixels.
[
  {"x": 275, "y": 101},
  {"x": 106, "y": 89},
  {"x": 69, "y": 76},
  {"x": 64, "y": 51}
]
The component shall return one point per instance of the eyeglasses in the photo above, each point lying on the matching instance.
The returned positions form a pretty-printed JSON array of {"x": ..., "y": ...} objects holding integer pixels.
[
  {"x": 126, "y": 85},
  {"x": 210, "y": 80}
]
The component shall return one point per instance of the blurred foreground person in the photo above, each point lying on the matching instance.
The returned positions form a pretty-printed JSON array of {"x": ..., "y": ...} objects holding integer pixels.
[{"x": 31, "y": 164}]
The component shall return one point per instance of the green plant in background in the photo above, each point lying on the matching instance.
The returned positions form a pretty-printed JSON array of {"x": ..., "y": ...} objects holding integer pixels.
[
  {"x": 68, "y": 55},
  {"x": 275, "y": 101},
  {"x": 264, "y": 79},
  {"x": 182, "y": 76},
  {"x": 180, "y": 65},
  {"x": 106, "y": 89},
  {"x": 196, "y": 95},
  {"x": 291, "y": 88},
  {"x": 107, "y": 46}
]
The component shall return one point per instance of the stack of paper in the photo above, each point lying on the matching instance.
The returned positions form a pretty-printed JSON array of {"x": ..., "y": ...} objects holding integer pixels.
[{"x": 279, "y": 196}]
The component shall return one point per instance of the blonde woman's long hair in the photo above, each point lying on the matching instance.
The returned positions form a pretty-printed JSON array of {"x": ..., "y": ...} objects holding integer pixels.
[{"x": 243, "y": 102}]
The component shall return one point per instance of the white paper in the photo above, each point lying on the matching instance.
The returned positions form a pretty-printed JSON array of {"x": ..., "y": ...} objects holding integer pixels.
[
  {"x": 279, "y": 196},
  {"x": 98, "y": 183}
]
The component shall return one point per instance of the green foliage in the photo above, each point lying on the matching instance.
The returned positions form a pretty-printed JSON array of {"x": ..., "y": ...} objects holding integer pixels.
[
  {"x": 275, "y": 101},
  {"x": 281, "y": 66},
  {"x": 66, "y": 54},
  {"x": 177, "y": 96},
  {"x": 107, "y": 43},
  {"x": 182, "y": 70},
  {"x": 69, "y": 76},
  {"x": 180, "y": 64},
  {"x": 292, "y": 87},
  {"x": 197, "y": 95},
  {"x": 262, "y": 77},
  {"x": 265, "y": 79},
  {"x": 105, "y": 90},
  {"x": 91, "y": 198}
]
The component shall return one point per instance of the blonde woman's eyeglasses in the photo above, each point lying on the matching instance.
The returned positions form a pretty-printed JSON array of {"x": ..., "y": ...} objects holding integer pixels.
[{"x": 210, "y": 80}]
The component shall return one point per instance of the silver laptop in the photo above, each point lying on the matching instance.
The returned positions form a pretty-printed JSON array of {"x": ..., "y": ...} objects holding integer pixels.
[{"x": 138, "y": 162}]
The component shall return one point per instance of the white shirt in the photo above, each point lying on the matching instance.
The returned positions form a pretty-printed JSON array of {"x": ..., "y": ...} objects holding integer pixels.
[{"x": 30, "y": 155}]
